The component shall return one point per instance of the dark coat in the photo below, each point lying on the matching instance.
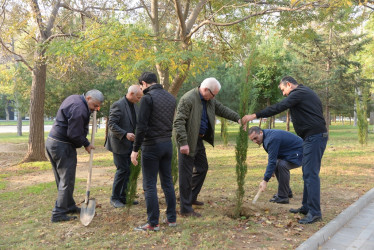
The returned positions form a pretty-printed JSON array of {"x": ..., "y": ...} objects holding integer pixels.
[
  {"x": 281, "y": 145},
  {"x": 120, "y": 123},
  {"x": 71, "y": 124}
]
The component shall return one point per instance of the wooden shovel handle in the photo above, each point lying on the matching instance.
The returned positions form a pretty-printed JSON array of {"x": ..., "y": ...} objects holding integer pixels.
[
  {"x": 91, "y": 158},
  {"x": 257, "y": 195}
]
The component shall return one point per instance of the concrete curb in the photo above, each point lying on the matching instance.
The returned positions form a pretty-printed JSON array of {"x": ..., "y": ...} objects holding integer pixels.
[{"x": 325, "y": 233}]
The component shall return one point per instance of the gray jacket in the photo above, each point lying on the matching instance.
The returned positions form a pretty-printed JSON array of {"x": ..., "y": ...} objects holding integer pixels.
[{"x": 120, "y": 123}]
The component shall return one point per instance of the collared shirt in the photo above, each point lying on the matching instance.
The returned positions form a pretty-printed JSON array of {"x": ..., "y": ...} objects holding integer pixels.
[{"x": 204, "y": 117}]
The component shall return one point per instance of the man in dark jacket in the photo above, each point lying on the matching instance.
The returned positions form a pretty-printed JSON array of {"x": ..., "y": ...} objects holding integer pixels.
[
  {"x": 153, "y": 135},
  {"x": 307, "y": 118},
  {"x": 285, "y": 152},
  {"x": 195, "y": 122},
  {"x": 68, "y": 133},
  {"x": 121, "y": 135}
]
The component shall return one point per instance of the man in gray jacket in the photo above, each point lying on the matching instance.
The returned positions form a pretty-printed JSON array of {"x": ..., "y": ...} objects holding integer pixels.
[
  {"x": 121, "y": 135},
  {"x": 194, "y": 122}
]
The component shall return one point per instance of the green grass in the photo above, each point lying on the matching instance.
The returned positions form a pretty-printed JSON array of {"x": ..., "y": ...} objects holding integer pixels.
[{"x": 346, "y": 174}]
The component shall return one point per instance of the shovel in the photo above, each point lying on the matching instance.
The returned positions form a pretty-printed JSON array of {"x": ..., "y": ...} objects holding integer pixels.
[
  {"x": 256, "y": 197},
  {"x": 88, "y": 207}
]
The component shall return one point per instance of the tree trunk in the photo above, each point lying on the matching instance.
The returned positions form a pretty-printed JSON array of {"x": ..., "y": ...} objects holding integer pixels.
[
  {"x": 288, "y": 120},
  {"x": 36, "y": 149},
  {"x": 19, "y": 123},
  {"x": 6, "y": 110}
]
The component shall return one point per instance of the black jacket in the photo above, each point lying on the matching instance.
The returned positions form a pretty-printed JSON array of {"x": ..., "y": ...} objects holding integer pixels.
[
  {"x": 155, "y": 119},
  {"x": 306, "y": 111}
]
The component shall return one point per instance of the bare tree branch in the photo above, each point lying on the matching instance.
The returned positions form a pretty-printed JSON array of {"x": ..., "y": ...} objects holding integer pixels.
[
  {"x": 268, "y": 11},
  {"x": 194, "y": 14},
  {"x": 146, "y": 9},
  {"x": 38, "y": 16},
  {"x": 52, "y": 18},
  {"x": 50, "y": 38},
  {"x": 21, "y": 59},
  {"x": 83, "y": 12},
  {"x": 182, "y": 22}
]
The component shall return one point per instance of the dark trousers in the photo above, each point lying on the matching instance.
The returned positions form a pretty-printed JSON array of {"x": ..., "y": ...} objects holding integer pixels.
[
  {"x": 313, "y": 148},
  {"x": 157, "y": 159},
  {"x": 63, "y": 157},
  {"x": 282, "y": 172},
  {"x": 121, "y": 178},
  {"x": 192, "y": 173}
]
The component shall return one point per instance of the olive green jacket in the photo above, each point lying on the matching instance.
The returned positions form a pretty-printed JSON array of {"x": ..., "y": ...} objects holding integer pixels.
[{"x": 188, "y": 119}]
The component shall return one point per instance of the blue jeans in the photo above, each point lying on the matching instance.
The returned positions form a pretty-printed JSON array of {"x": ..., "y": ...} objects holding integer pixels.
[
  {"x": 313, "y": 148},
  {"x": 157, "y": 159},
  {"x": 121, "y": 178}
]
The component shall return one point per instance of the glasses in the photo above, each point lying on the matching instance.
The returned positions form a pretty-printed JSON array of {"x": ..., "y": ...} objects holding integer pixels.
[{"x": 211, "y": 93}]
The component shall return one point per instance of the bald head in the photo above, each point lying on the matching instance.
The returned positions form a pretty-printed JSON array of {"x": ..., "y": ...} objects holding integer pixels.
[{"x": 134, "y": 93}]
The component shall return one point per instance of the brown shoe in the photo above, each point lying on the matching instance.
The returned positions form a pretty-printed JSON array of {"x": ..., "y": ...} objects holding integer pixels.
[
  {"x": 198, "y": 203},
  {"x": 190, "y": 214}
]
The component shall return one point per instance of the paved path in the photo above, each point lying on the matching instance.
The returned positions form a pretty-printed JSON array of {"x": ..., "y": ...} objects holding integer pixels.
[
  {"x": 352, "y": 229},
  {"x": 25, "y": 129},
  {"x": 358, "y": 233}
]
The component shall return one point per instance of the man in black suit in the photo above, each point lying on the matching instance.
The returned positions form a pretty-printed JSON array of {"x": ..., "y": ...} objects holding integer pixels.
[{"x": 121, "y": 135}]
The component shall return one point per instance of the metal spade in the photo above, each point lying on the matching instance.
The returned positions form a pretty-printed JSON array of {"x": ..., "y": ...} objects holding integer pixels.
[{"x": 88, "y": 207}]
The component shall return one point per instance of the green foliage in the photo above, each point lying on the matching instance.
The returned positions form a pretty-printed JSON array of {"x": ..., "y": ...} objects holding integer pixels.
[
  {"x": 241, "y": 149},
  {"x": 133, "y": 183}
]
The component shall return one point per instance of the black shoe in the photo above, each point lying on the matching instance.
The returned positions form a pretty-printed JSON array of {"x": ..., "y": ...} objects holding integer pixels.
[
  {"x": 116, "y": 203},
  {"x": 280, "y": 200},
  {"x": 190, "y": 214},
  {"x": 309, "y": 219},
  {"x": 134, "y": 202},
  {"x": 300, "y": 210},
  {"x": 198, "y": 203},
  {"x": 63, "y": 218},
  {"x": 290, "y": 195},
  {"x": 76, "y": 210}
]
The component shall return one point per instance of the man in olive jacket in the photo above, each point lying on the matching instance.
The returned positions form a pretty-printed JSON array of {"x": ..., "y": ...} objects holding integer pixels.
[{"x": 194, "y": 122}]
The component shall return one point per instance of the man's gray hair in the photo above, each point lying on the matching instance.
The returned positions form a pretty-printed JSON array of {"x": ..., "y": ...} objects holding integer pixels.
[
  {"x": 255, "y": 129},
  {"x": 95, "y": 94},
  {"x": 133, "y": 89},
  {"x": 211, "y": 83}
]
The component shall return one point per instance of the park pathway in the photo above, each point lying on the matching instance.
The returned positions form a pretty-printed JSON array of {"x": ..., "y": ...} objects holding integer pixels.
[{"x": 352, "y": 229}]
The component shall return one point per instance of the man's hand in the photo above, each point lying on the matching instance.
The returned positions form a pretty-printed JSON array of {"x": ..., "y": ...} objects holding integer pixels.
[
  {"x": 134, "y": 158},
  {"x": 248, "y": 118},
  {"x": 130, "y": 136},
  {"x": 185, "y": 149},
  {"x": 263, "y": 185},
  {"x": 89, "y": 148}
]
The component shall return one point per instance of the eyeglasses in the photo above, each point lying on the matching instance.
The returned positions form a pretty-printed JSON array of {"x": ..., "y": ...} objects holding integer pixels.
[{"x": 211, "y": 93}]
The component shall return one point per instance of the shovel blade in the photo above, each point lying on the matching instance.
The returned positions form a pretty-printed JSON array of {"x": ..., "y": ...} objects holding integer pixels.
[{"x": 87, "y": 212}]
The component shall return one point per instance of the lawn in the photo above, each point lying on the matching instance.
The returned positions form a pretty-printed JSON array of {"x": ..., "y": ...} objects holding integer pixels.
[{"x": 28, "y": 193}]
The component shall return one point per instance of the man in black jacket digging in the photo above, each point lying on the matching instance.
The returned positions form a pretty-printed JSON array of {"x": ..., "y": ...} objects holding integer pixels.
[{"x": 307, "y": 118}]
